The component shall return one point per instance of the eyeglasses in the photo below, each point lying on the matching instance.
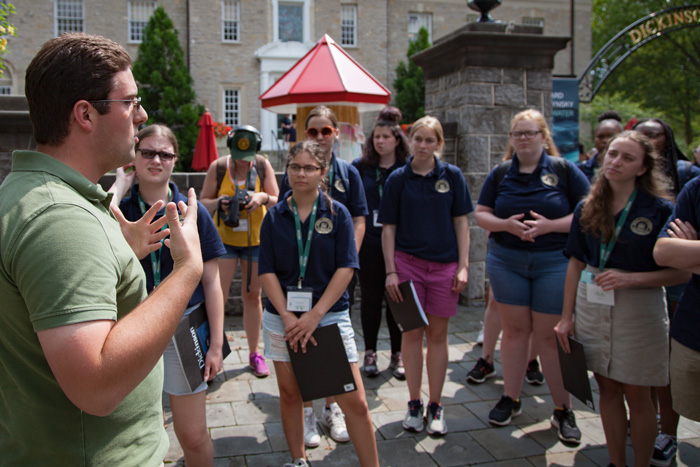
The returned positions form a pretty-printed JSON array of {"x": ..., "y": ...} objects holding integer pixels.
[
  {"x": 151, "y": 153},
  {"x": 326, "y": 132},
  {"x": 529, "y": 134},
  {"x": 308, "y": 169},
  {"x": 135, "y": 101}
]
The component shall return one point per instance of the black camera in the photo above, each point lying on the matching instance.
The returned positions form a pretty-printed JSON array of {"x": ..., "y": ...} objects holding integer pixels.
[{"x": 237, "y": 202}]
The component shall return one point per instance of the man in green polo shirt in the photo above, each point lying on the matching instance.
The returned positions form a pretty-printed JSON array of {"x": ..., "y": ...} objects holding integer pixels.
[{"x": 80, "y": 344}]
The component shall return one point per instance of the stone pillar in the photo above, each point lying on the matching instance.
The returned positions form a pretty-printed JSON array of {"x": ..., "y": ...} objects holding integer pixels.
[{"x": 477, "y": 78}]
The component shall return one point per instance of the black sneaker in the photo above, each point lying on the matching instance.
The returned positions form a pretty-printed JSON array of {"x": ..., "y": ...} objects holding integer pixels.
[
  {"x": 533, "y": 375},
  {"x": 665, "y": 449},
  {"x": 481, "y": 371},
  {"x": 504, "y": 411},
  {"x": 565, "y": 423}
]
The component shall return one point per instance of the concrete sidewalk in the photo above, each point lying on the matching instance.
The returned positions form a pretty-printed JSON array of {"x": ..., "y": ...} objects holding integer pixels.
[{"x": 243, "y": 416}]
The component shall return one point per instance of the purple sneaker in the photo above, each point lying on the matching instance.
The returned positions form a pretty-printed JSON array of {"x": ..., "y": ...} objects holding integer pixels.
[{"x": 257, "y": 363}]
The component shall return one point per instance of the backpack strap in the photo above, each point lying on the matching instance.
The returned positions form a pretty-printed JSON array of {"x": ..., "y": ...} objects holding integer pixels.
[
  {"x": 501, "y": 171},
  {"x": 261, "y": 168},
  {"x": 220, "y": 172}
]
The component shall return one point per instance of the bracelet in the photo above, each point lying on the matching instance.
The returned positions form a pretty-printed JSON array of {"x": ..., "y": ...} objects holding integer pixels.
[
  {"x": 267, "y": 200},
  {"x": 390, "y": 273}
]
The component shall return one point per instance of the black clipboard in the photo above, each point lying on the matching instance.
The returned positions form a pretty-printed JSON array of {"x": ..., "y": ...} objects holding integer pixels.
[
  {"x": 192, "y": 339},
  {"x": 323, "y": 370},
  {"x": 409, "y": 314},
  {"x": 575, "y": 372}
]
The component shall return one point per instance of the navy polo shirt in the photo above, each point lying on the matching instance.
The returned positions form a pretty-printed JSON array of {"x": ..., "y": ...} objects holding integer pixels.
[
  {"x": 370, "y": 182},
  {"x": 540, "y": 191},
  {"x": 685, "y": 326},
  {"x": 634, "y": 248},
  {"x": 352, "y": 197},
  {"x": 211, "y": 244},
  {"x": 423, "y": 208},
  {"x": 279, "y": 253},
  {"x": 589, "y": 167}
]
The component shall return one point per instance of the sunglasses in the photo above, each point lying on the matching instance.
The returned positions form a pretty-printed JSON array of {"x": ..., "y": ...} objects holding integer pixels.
[
  {"x": 326, "y": 132},
  {"x": 151, "y": 153}
]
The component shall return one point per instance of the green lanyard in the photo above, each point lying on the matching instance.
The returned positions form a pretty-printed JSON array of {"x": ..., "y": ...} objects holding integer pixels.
[
  {"x": 606, "y": 248},
  {"x": 304, "y": 251},
  {"x": 380, "y": 184},
  {"x": 155, "y": 255},
  {"x": 235, "y": 180}
]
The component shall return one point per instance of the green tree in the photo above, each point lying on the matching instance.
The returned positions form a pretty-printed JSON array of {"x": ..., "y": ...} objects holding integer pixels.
[
  {"x": 6, "y": 29},
  {"x": 625, "y": 107},
  {"x": 662, "y": 75},
  {"x": 409, "y": 83},
  {"x": 165, "y": 84}
]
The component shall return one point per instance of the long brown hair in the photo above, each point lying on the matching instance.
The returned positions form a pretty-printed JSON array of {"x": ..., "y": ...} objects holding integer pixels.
[
  {"x": 596, "y": 216},
  {"x": 537, "y": 117},
  {"x": 313, "y": 149}
]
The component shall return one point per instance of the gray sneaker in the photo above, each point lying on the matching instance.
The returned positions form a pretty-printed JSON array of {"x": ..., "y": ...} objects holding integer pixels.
[
  {"x": 414, "y": 417},
  {"x": 370, "y": 366},
  {"x": 396, "y": 366},
  {"x": 435, "y": 418},
  {"x": 300, "y": 462}
]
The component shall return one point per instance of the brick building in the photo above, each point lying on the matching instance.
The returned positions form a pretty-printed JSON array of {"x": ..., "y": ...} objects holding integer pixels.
[{"x": 237, "y": 48}]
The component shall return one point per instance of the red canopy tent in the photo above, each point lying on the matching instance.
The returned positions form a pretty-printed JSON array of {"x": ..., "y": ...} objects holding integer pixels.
[
  {"x": 326, "y": 75},
  {"x": 205, "y": 152}
]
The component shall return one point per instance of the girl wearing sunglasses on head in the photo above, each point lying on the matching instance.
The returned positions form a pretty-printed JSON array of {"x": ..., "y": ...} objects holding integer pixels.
[
  {"x": 345, "y": 186},
  {"x": 156, "y": 154}
]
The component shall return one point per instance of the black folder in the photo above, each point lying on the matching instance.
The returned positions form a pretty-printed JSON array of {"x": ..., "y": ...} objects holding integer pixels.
[
  {"x": 192, "y": 339},
  {"x": 408, "y": 314},
  {"x": 323, "y": 370},
  {"x": 575, "y": 372}
]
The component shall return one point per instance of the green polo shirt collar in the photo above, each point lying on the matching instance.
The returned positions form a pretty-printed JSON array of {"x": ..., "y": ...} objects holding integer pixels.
[{"x": 33, "y": 161}]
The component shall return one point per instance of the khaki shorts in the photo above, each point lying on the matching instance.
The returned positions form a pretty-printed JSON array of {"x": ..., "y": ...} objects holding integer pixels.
[{"x": 685, "y": 374}]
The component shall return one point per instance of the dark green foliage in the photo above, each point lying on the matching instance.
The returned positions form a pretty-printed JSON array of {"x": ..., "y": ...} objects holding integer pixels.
[
  {"x": 662, "y": 75},
  {"x": 165, "y": 85},
  {"x": 409, "y": 83}
]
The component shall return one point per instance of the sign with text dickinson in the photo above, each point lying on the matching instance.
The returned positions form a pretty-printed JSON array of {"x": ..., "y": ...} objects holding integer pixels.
[{"x": 565, "y": 116}]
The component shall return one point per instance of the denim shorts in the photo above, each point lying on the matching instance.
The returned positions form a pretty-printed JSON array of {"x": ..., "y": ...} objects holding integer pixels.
[
  {"x": 241, "y": 252},
  {"x": 276, "y": 347},
  {"x": 534, "y": 279}
]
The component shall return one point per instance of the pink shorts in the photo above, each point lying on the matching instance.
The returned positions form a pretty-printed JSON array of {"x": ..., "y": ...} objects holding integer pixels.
[{"x": 433, "y": 283}]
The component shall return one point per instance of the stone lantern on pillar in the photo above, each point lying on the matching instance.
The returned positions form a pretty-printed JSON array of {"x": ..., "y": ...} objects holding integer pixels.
[{"x": 476, "y": 79}]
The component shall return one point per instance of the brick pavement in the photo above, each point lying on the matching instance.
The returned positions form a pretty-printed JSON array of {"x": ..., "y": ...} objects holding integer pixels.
[{"x": 243, "y": 416}]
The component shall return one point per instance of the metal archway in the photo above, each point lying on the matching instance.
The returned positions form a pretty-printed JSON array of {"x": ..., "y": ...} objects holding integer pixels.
[{"x": 630, "y": 39}]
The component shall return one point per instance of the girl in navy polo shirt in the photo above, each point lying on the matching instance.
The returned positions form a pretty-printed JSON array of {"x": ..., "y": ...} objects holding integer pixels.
[
  {"x": 156, "y": 154},
  {"x": 426, "y": 239},
  {"x": 614, "y": 290},
  {"x": 385, "y": 151},
  {"x": 328, "y": 263},
  {"x": 528, "y": 210},
  {"x": 345, "y": 187}
]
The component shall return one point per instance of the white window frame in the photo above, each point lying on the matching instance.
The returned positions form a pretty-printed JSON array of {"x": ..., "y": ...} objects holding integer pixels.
[
  {"x": 66, "y": 22},
  {"x": 416, "y": 20},
  {"x": 137, "y": 23},
  {"x": 231, "y": 16},
  {"x": 231, "y": 106},
  {"x": 533, "y": 21},
  {"x": 348, "y": 25},
  {"x": 306, "y": 4}
]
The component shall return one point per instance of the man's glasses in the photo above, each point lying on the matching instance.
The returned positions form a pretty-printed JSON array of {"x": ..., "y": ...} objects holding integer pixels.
[
  {"x": 326, "y": 132},
  {"x": 151, "y": 153},
  {"x": 307, "y": 169},
  {"x": 135, "y": 101},
  {"x": 527, "y": 134}
]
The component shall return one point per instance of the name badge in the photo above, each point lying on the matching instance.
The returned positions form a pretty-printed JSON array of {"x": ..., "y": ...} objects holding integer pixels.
[
  {"x": 587, "y": 277},
  {"x": 299, "y": 300},
  {"x": 375, "y": 214},
  {"x": 242, "y": 225},
  {"x": 596, "y": 294}
]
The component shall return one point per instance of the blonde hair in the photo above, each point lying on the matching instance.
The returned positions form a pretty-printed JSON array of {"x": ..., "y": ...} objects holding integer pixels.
[
  {"x": 537, "y": 117},
  {"x": 432, "y": 123}
]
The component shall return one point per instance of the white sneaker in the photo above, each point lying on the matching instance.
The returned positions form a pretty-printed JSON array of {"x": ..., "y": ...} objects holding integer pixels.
[
  {"x": 334, "y": 420},
  {"x": 414, "y": 420},
  {"x": 480, "y": 337},
  {"x": 311, "y": 436},
  {"x": 435, "y": 417},
  {"x": 300, "y": 462}
]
